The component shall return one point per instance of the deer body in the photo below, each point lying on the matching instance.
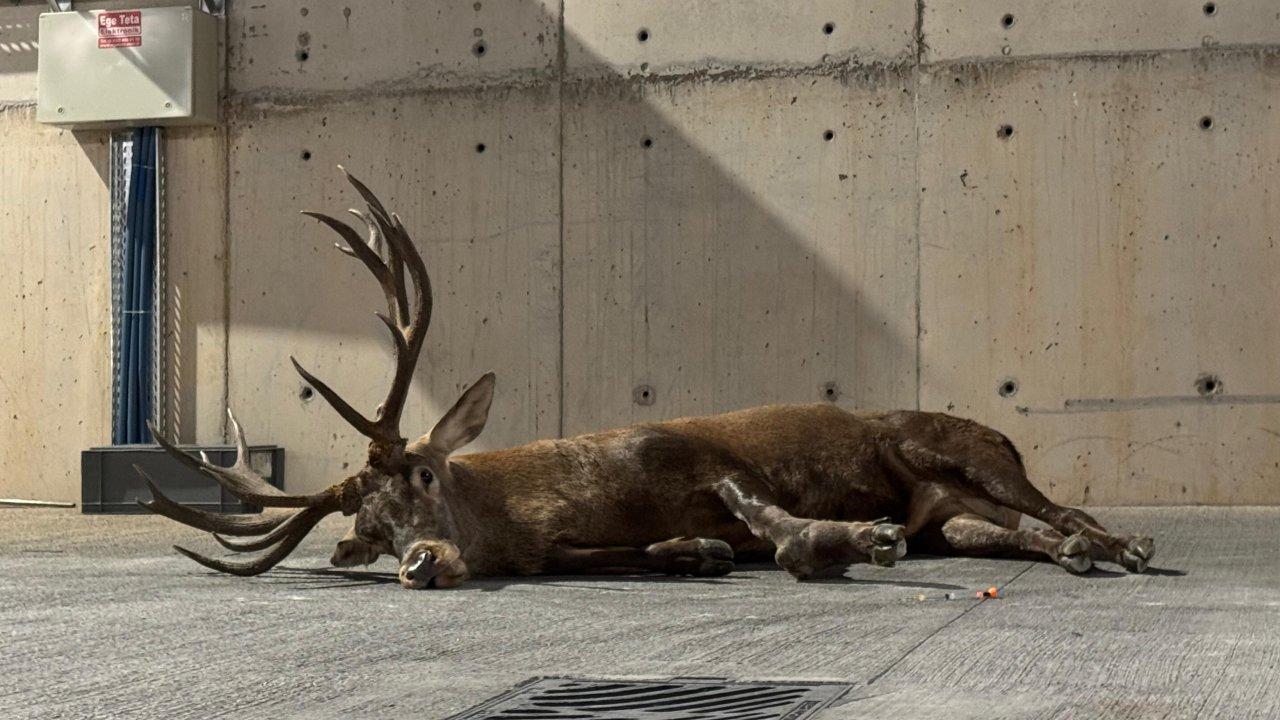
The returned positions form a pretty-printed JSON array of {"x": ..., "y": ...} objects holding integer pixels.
[
  {"x": 598, "y": 502},
  {"x": 648, "y": 483},
  {"x": 814, "y": 486}
]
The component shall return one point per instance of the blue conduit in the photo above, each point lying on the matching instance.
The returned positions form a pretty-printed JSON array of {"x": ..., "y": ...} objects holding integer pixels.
[{"x": 133, "y": 409}]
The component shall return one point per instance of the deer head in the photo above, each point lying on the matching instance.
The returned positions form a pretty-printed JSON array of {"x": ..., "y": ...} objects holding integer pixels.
[{"x": 396, "y": 496}]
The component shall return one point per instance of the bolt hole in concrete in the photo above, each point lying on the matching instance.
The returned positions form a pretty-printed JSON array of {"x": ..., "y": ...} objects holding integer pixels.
[
  {"x": 828, "y": 28},
  {"x": 303, "y": 56},
  {"x": 828, "y": 136},
  {"x": 647, "y": 142},
  {"x": 643, "y": 35},
  {"x": 1210, "y": 8},
  {"x": 479, "y": 49},
  {"x": 306, "y": 393},
  {"x": 1008, "y": 388},
  {"x": 306, "y": 154},
  {"x": 830, "y": 392},
  {"x": 1209, "y": 384},
  {"x": 1004, "y": 132},
  {"x": 1006, "y": 22},
  {"x": 480, "y": 147},
  {"x": 643, "y": 395},
  {"x": 1206, "y": 122}
]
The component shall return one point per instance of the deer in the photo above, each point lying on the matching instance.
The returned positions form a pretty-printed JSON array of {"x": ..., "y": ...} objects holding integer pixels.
[{"x": 815, "y": 487}]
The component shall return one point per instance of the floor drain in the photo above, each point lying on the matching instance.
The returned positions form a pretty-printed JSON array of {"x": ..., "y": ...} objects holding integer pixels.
[{"x": 682, "y": 699}]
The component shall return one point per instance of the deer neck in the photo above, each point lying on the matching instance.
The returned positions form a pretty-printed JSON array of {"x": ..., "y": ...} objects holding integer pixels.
[{"x": 458, "y": 513}]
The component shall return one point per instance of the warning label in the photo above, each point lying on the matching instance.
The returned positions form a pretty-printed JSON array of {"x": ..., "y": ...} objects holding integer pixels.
[{"x": 121, "y": 28}]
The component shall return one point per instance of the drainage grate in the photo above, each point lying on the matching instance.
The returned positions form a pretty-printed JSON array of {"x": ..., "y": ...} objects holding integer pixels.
[{"x": 676, "y": 699}]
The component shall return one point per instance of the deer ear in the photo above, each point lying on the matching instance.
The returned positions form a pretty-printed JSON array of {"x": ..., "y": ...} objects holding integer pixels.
[{"x": 466, "y": 418}]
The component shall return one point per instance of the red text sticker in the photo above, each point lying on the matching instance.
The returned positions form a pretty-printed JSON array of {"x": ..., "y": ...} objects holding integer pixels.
[{"x": 121, "y": 28}]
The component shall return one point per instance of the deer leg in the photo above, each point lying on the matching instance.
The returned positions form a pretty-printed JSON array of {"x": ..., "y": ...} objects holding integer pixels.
[
  {"x": 968, "y": 534},
  {"x": 1134, "y": 552},
  {"x": 807, "y": 547},
  {"x": 679, "y": 556},
  {"x": 1007, "y": 484}
]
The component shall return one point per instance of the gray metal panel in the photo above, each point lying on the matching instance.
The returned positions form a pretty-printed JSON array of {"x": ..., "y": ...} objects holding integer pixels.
[
  {"x": 677, "y": 698},
  {"x": 109, "y": 482}
]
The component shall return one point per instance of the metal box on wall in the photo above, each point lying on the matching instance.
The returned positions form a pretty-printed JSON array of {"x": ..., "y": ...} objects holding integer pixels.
[
  {"x": 109, "y": 483},
  {"x": 115, "y": 68}
]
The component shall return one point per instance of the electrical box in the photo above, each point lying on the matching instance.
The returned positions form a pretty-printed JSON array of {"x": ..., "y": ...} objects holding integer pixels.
[{"x": 121, "y": 68}]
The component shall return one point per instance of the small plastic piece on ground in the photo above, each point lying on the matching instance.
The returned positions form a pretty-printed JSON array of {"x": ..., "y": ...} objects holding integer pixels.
[
  {"x": 951, "y": 596},
  {"x": 920, "y": 598},
  {"x": 991, "y": 592}
]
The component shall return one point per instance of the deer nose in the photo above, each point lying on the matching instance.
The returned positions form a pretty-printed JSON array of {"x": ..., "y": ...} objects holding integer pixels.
[{"x": 421, "y": 567}]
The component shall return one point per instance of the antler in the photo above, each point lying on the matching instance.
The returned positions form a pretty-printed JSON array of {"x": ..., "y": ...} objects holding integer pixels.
[
  {"x": 408, "y": 326},
  {"x": 284, "y": 531}
]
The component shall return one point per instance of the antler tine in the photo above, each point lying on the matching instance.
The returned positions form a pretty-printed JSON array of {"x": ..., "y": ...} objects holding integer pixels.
[
  {"x": 401, "y": 247},
  {"x": 283, "y": 530},
  {"x": 300, "y": 524},
  {"x": 365, "y": 254},
  {"x": 242, "y": 446},
  {"x": 394, "y": 266},
  {"x": 418, "y": 270},
  {"x": 243, "y": 482},
  {"x": 396, "y": 256},
  {"x": 374, "y": 241},
  {"x": 408, "y": 327},
  {"x": 201, "y": 520},
  {"x": 366, "y": 426},
  {"x": 397, "y": 335}
]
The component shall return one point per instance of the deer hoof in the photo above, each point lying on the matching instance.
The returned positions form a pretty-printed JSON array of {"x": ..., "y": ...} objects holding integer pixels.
[
  {"x": 431, "y": 564},
  {"x": 1074, "y": 554},
  {"x": 890, "y": 544},
  {"x": 1137, "y": 554},
  {"x": 717, "y": 558},
  {"x": 703, "y": 557}
]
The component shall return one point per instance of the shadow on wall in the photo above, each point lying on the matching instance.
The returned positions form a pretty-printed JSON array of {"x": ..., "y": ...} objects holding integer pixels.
[
  {"x": 717, "y": 245},
  {"x": 618, "y": 247},
  {"x": 19, "y": 42}
]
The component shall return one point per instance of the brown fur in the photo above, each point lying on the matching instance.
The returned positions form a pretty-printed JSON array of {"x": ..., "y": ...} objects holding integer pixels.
[{"x": 805, "y": 482}]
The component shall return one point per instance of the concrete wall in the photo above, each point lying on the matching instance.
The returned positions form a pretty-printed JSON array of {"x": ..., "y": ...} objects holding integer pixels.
[{"x": 1009, "y": 211}]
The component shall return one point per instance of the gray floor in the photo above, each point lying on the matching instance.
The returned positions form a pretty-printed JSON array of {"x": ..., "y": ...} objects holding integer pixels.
[{"x": 98, "y": 618}]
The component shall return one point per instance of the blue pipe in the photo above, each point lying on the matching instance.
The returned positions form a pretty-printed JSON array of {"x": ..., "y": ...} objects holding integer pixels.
[{"x": 133, "y": 362}]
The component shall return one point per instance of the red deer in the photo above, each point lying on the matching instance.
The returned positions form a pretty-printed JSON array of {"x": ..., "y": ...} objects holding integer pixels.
[{"x": 817, "y": 487}]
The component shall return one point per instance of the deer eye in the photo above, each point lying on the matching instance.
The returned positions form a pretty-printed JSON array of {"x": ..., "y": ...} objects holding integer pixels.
[{"x": 423, "y": 475}]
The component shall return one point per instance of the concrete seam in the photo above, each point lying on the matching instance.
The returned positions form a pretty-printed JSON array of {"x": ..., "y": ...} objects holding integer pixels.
[
  {"x": 919, "y": 195},
  {"x": 561, "y": 69},
  {"x": 944, "y": 626},
  {"x": 226, "y": 232}
]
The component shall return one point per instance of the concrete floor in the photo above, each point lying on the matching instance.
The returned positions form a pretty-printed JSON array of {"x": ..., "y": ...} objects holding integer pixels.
[{"x": 99, "y": 618}]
